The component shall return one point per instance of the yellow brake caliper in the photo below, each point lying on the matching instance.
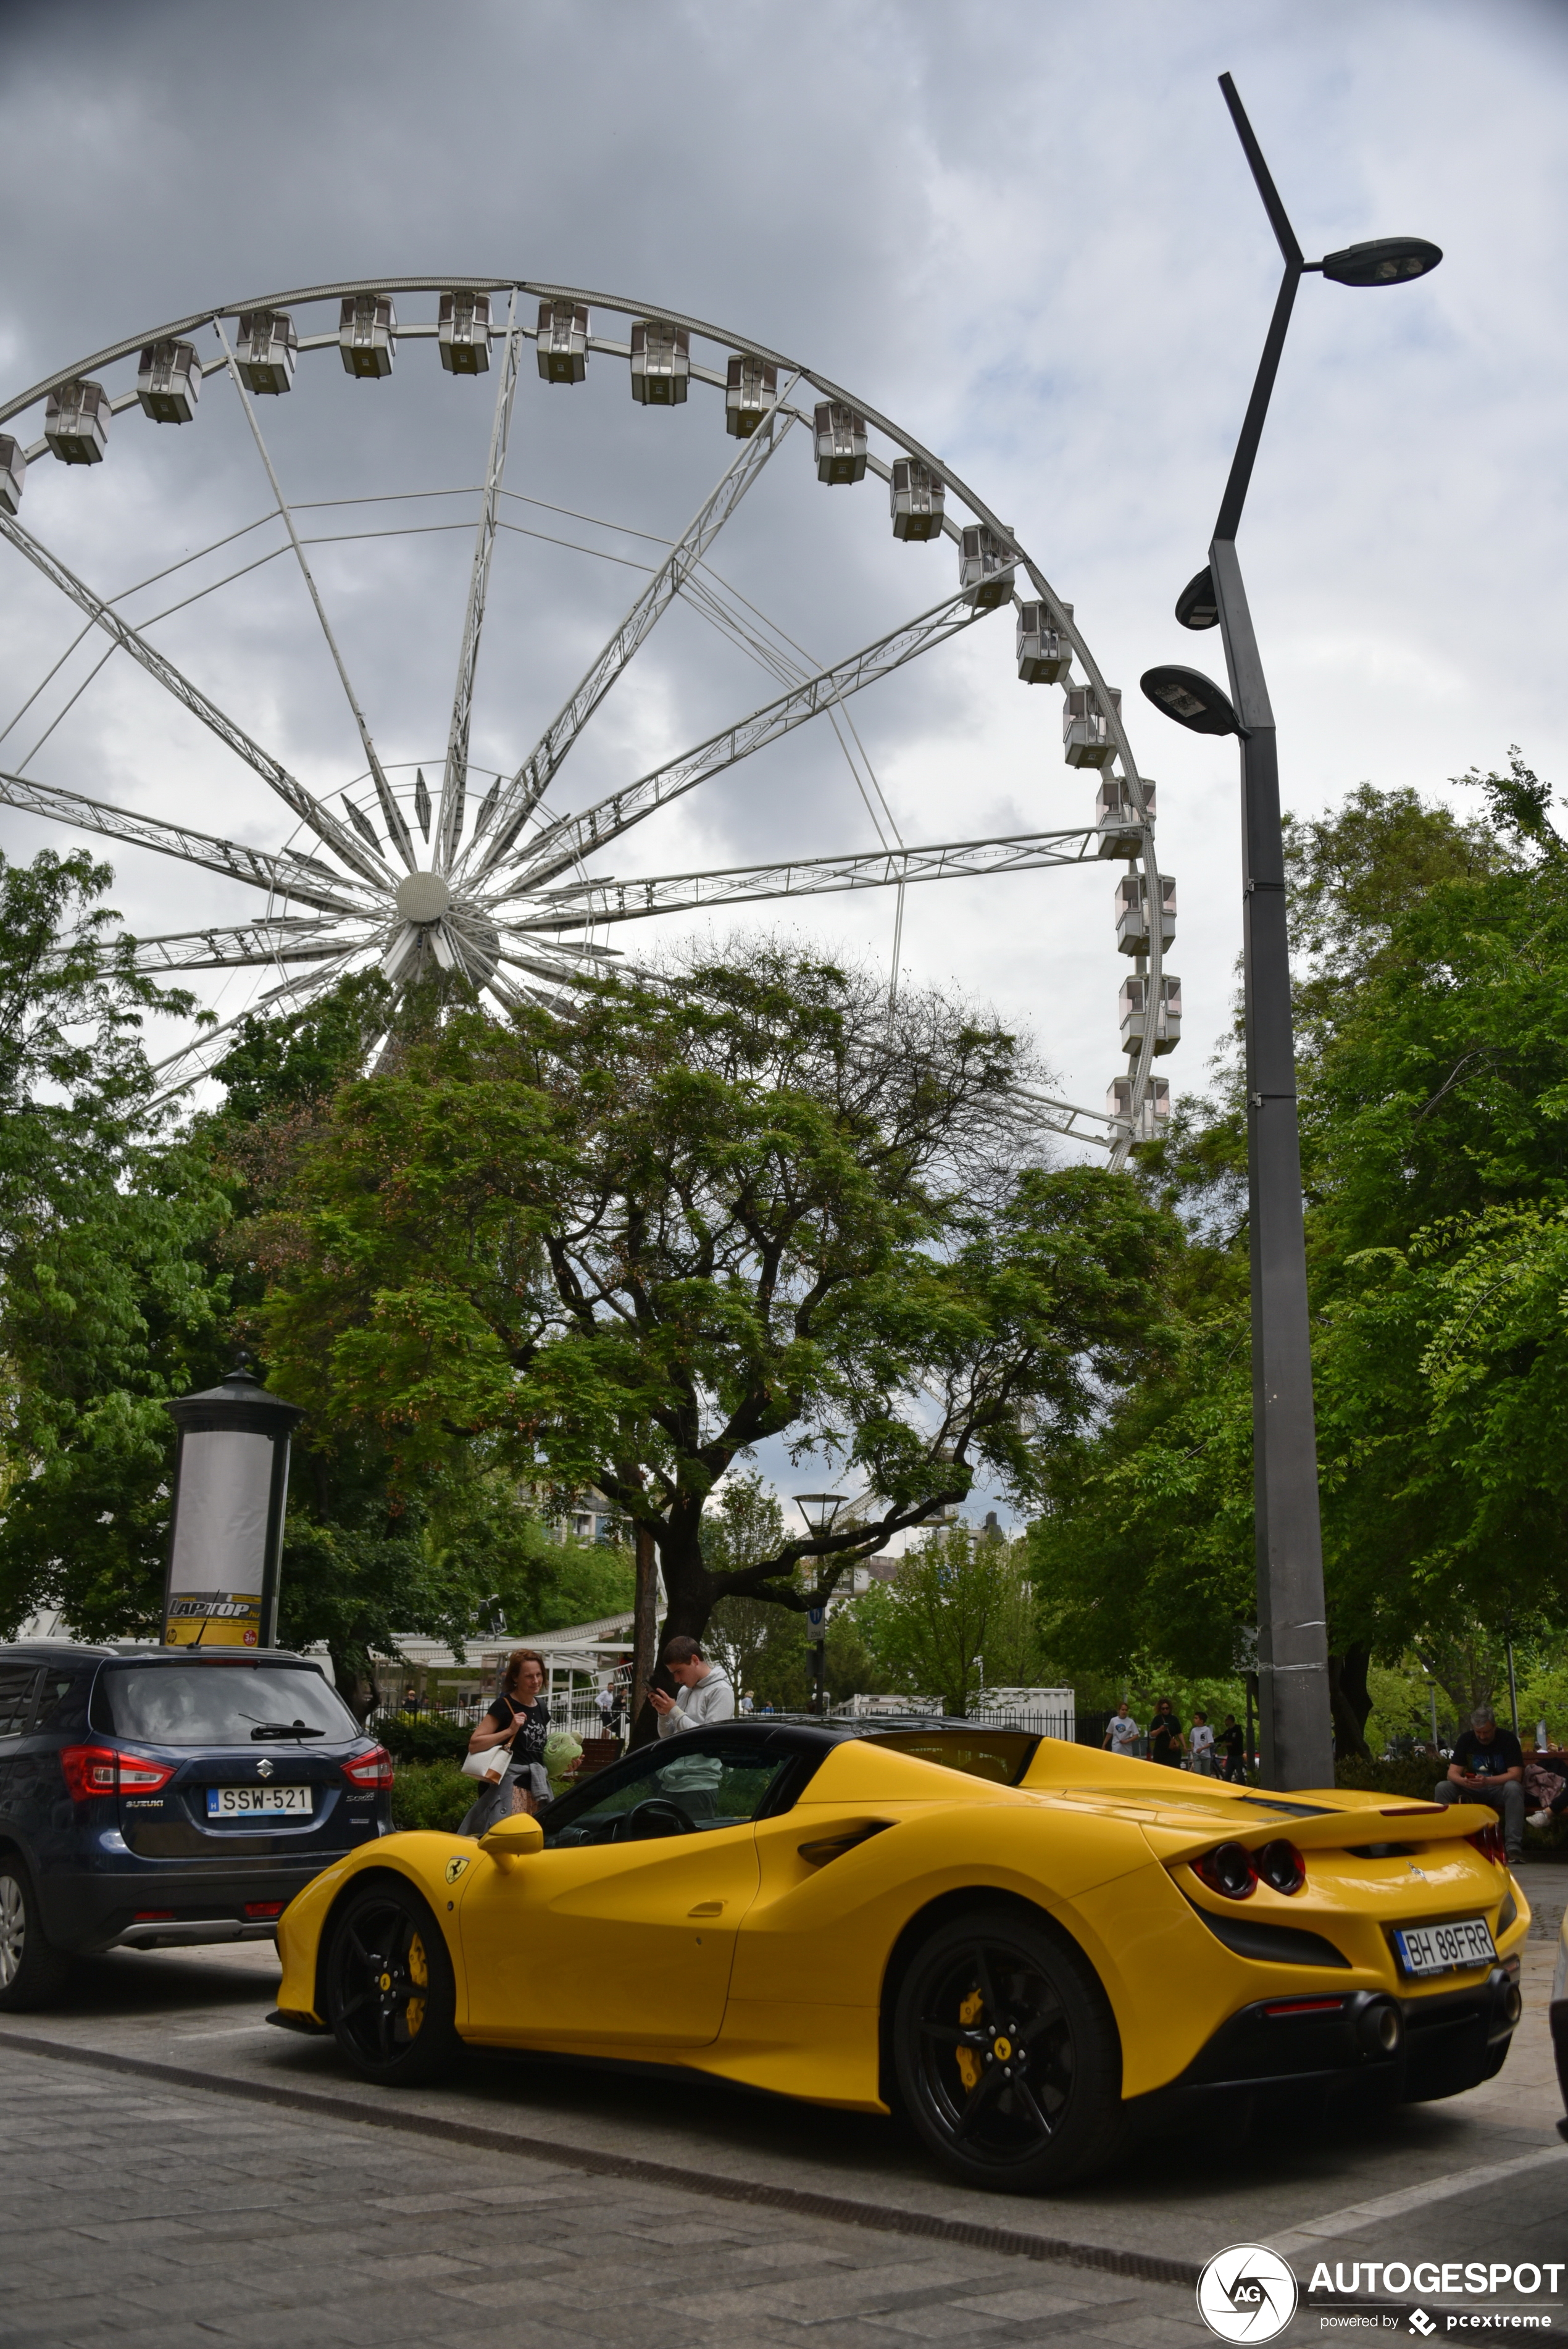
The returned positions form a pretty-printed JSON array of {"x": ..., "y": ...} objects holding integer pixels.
[
  {"x": 419, "y": 1972},
  {"x": 968, "y": 2061}
]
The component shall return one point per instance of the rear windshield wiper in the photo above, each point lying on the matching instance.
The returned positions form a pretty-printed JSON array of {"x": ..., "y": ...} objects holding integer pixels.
[{"x": 273, "y": 1729}]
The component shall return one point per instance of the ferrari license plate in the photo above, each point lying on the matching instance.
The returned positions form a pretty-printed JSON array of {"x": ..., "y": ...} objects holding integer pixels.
[
  {"x": 251, "y": 1802},
  {"x": 1439, "y": 1949}
]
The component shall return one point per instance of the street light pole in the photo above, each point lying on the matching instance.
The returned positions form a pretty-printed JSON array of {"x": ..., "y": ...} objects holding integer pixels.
[{"x": 1293, "y": 1632}]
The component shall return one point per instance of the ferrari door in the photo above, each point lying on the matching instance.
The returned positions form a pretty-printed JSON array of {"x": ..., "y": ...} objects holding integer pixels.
[{"x": 622, "y": 1930}]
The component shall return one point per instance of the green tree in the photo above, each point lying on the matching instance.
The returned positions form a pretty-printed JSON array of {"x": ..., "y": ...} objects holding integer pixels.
[
  {"x": 1432, "y": 958},
  {"x": 108, "y": 1299},
  {"x": 957, "y": 1614},
  {"x": 623, "y": 1245}
]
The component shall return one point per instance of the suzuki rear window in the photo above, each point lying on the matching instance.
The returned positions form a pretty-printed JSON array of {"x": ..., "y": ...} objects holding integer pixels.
[{"x": 225, "y": 1704}]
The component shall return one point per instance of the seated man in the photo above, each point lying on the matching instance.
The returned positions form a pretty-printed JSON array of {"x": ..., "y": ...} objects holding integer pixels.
[{"x": 1486, "y": 1766}]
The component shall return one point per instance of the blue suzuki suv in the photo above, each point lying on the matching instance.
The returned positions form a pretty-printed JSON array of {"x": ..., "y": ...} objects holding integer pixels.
[{"x": 150, "y": 1797}]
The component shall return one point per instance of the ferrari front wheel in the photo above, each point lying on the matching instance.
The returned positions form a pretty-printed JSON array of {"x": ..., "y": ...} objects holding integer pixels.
[
  {"x": 391, "y": 1999},
  {"x": 1007, "y": 2053}
]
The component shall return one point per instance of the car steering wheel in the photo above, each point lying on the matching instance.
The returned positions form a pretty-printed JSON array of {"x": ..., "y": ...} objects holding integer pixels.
[{"x": 658, "y": 1816}]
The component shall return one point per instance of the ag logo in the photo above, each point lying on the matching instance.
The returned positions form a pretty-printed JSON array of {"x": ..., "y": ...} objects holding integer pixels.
[
  {"x": 454, "y": 1870},
  {"x": 1247, "y": 2293}
]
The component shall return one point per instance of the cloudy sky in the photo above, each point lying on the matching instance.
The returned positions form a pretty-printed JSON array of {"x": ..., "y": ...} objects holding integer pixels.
[{"x": 1025, "y": 234}]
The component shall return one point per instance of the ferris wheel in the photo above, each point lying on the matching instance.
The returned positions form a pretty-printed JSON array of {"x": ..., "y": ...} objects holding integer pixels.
[{"x": 415, "y": 854}]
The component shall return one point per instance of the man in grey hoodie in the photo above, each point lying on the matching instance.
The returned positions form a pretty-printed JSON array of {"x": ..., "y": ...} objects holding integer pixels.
[{"x": 705, "y": 1695}]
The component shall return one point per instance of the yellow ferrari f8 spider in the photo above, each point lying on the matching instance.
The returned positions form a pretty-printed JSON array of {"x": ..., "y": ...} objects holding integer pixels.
[{"x": 1025, "y": 1945}]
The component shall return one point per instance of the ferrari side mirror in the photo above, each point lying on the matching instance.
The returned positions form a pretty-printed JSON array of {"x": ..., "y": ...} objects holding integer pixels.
[{"x": 513, "y": 1839}]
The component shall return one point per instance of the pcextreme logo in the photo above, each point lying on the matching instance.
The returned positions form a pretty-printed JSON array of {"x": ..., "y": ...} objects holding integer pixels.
[{"x": 1247, "y": 2293}]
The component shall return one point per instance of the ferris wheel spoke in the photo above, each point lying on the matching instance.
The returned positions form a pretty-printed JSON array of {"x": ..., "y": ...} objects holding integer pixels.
[
  {"x": 533, "y": 779},
  {"x": 581, "y": 902},
  {"x": 392, "y": 814},
  {"x": 286, "y": 938},
  {"x": 455, "y": 778},
  {"x": 285, "y": 872},
  {"x": 571, "y": 838},
  {"x": 294, "y": 795},
  {"x": 194, "y": 1061}
]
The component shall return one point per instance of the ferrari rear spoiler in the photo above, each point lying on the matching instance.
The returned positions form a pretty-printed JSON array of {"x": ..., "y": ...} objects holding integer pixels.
[{"x": 1175, "y": 1837}]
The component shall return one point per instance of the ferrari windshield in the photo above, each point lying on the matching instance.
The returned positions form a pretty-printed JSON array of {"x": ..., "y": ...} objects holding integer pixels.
[{"x": 223, "y": 1704}]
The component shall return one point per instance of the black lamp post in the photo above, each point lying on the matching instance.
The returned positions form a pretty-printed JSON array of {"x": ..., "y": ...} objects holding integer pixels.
[
  {"x": 818, "y": 1509},
  {"x": 1293, "y": 1642},
  {"x": 231, "y": 1490}
]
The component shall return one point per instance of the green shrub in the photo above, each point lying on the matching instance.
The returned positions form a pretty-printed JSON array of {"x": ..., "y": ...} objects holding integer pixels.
[
  {"x": 431, "y": 1795},
  {"x": 419, "y": 1737}
]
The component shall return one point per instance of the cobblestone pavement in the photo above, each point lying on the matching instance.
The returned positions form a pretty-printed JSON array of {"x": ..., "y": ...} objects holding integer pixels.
[{"x": 159, "y": 2219}]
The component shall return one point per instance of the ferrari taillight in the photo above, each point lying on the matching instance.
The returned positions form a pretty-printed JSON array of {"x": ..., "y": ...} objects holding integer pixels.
[
  {"x": 92, "y": 1770},
  {"x": 1281, "y": 1866},
  {"x": 372, "y": 1769},
  {"x": 1228, "y": 1869},
  {"x": 1489, "y": 1841}
]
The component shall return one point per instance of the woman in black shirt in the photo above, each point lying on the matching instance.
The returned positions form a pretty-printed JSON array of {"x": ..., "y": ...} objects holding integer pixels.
[{"x": 520, "y": 1720}]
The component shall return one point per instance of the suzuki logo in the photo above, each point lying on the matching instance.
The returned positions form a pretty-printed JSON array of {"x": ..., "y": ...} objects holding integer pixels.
[{"x": 263, "y": 1769}]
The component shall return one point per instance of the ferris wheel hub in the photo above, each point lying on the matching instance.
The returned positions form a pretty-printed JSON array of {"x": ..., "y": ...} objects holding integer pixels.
[{"x": 423, "y": 898}]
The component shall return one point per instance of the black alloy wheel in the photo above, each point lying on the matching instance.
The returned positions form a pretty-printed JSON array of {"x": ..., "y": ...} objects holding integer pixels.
[
  {"x": 391, "y": 1999},
  {"x": 1007, "y": 2054},
  {"x": 33, "y": 1973}
]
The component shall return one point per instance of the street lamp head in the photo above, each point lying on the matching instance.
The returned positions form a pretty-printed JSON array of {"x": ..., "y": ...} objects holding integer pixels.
[
  {"x": 819, "y": 1509},
  {"x": 1385, "y": 261},
  {"x": 1191, "y": 699},
  {"x": 1197, "y": 606}
]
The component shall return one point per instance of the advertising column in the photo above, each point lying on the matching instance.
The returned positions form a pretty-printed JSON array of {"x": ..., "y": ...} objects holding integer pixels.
[{"x": 230, "y": 1491}]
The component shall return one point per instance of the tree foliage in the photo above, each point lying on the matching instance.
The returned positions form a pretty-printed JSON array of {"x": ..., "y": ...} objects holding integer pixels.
[
  {"x": 958, "y": 1615},
  {"x": 108, "y": 1302},
  {"x": 1431, "y": 967},
  {"x": 621, "y": 1245}
]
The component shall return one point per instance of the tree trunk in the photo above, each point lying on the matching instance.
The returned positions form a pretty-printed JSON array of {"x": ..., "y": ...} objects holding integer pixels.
[
  {"x": 1350, "y": 1701},
  {"x": 356, "y": 1689},
  {"x": 644, "y": 1636}
]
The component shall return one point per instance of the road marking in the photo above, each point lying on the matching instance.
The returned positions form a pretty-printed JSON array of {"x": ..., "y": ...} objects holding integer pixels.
[{"x": 1357, "y": 2215}]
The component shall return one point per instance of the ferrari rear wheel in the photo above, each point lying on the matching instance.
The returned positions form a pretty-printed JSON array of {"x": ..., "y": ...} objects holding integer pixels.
[
  {"x": 390, "y": 1996},
  {"x": 1007, "y": 2055}
]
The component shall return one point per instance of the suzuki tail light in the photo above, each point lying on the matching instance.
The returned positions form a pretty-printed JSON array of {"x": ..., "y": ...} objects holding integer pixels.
[
  {"x": 372, "y": 1769},
  {"x": 1489, "y": 1841},
  {"x": 93, "y": 1770},
  {"x": 1228, "y": 1869}
]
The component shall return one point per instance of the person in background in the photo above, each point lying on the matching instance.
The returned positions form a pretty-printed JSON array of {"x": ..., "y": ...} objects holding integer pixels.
[
  {"x": 1122, "y": 1734},
  {"x": 1166, "y": 1743},
  {"x": 705, "y": 1693},
  {"x": 519, "y": 1719},
  {"x": 606, "y": 1711},
  {"x": 1231, "y": 1740},
  {"x": 748, "y": 1701},
  {"x": 1486, "y": 1766},
  {"x": 1546, "y": 1783},
  {"x": 1200, "y": 1745}
]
